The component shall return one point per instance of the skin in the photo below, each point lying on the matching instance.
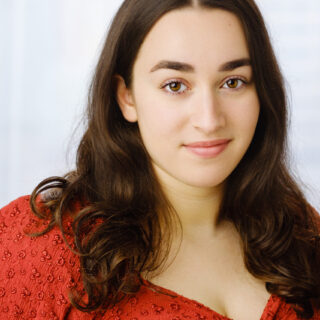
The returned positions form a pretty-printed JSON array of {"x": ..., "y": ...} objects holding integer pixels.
[{"x": 200, "y": 107}]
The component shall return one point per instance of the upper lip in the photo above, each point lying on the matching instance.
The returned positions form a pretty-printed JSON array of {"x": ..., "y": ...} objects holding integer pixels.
[{"x": 207, "y": 144}]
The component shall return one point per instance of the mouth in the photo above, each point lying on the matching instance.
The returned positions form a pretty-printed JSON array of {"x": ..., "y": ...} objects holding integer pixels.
[{"x": 208, "y": 149}]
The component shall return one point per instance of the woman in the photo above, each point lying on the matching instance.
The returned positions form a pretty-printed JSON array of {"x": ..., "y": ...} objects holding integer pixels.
[{"x": 181, "y": 204}]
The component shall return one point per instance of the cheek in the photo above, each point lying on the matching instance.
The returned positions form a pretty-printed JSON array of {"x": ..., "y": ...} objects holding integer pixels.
[
  {"x": 157, "y": 122},
  {"x": 246, "y": 114},
  {"x": 156, "y": 118}
]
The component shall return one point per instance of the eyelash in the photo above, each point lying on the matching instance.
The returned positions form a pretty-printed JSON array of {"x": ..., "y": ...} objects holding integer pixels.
[{"x": 244, "y": 82}]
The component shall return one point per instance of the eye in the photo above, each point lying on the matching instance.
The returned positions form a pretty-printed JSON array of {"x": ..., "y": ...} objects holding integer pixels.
[
  {"x": 175, "y": 87},
  {"x": 234, "y": 83}
]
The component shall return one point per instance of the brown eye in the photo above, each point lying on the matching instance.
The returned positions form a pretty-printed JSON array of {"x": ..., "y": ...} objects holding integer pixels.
[
  {"x": 175, "y": 86},
  {"x": 233, "y": 83}
]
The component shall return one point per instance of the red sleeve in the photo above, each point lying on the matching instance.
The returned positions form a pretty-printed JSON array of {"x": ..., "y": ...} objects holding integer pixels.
[{"x": 36, "y": 273}]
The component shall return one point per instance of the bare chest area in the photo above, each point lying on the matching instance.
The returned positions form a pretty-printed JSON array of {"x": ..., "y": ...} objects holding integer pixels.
[{"x": 213, "y": 273}]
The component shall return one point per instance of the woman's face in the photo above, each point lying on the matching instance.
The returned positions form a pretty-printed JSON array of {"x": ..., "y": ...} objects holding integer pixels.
[{"x": 192, "y": 83}]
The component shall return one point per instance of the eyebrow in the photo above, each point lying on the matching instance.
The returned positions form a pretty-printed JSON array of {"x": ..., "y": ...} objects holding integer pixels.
[{"x": 185, "y": 67}]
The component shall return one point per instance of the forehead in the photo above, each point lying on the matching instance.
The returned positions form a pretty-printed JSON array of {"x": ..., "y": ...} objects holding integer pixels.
[{"x": 203, "y": 37}]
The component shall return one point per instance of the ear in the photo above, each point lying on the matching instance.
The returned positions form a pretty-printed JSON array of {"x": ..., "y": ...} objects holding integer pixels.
[{"x": 125, "y": 99}]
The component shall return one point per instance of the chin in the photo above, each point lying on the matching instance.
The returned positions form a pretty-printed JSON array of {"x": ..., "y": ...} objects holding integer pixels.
[{"x": 205, "y": 183}]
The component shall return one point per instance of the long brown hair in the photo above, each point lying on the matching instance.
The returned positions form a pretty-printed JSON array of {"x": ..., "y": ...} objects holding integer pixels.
[{"x": 116, "y": 184}]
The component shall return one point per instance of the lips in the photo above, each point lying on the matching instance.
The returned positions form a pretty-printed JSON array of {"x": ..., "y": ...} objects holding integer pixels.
[
  {"x": 207, "y": 144},
  {"x": 208, "y": 149}
]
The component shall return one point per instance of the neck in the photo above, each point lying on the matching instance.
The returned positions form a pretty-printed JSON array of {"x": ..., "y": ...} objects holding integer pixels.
[{"x": 196, "y": 207}]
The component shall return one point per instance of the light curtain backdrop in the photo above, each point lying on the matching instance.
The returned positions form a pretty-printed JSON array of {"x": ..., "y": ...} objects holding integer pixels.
[{"x": 48, "y": 50}]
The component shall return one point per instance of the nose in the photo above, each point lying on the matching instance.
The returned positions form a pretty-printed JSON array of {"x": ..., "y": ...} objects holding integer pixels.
[{"x": 208, "y": 115}]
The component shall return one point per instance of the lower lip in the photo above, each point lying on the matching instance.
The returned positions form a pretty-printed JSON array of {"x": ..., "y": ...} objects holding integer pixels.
[{"x": 208, "y": 152}]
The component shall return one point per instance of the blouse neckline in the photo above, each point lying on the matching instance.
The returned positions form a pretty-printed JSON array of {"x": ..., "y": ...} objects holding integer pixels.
[{"x": 151, "y": 285}]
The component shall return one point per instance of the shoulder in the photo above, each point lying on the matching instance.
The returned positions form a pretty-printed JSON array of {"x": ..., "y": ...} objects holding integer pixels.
[
  {"x": 17, "y": 209},
  {"x": 37, "y": 273}
]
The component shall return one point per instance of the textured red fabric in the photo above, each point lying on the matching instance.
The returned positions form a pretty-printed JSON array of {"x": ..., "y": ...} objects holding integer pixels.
[{"x": 37, "y": 273}]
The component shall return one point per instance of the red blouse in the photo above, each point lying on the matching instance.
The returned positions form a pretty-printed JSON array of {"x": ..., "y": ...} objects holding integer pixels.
[{"x": 37, "y": 273}]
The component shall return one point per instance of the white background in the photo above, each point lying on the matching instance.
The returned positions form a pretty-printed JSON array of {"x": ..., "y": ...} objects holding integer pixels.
[{"x": 48, "y": 51}]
